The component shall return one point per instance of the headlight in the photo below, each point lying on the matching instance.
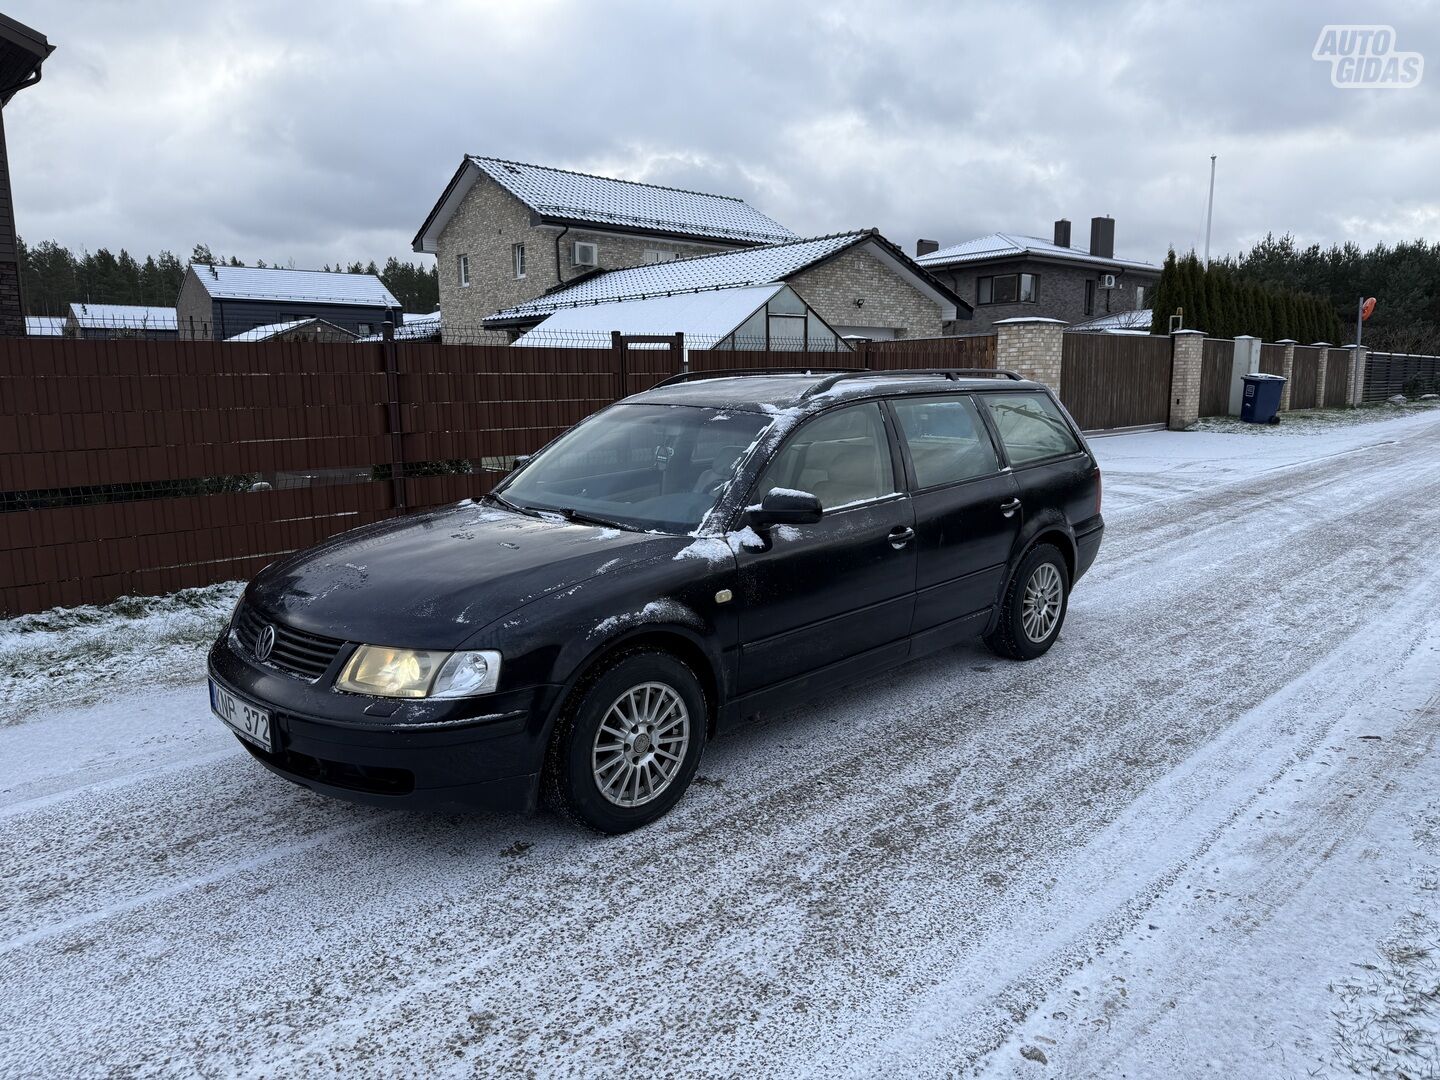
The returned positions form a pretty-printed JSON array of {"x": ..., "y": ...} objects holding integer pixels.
[{"x": 418, "y": 673}]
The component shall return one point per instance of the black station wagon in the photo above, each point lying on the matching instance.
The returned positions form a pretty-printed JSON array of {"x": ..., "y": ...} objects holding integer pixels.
[{"x": 675, "y": 563}]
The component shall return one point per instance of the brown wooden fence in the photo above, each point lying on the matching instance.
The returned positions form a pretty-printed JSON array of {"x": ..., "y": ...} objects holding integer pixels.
[
  {"x": 141, "y": 467},
  {"x": 1304, "y": 370},
  {"x": 1115, "y": 380},
  {"x": 1216, "y": 370},
  {"x": 1337, "y": 378},
  {"x": 1272, "y": 359}
]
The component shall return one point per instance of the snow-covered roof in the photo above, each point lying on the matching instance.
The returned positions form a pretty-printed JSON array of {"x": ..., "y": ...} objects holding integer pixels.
[
  {"x": 413, "y": 327},
  {"x": 44, "y": 325},
  {"x": 1010, "y": 245},
  {"x": 563, "y": 195},
  {"x": 304, "y": 286},
  {"x": 700, "y": 315},
  {"x": 723, "y": 270},
  {"x": 273, "y": 330},
  {"x": 1118, "y": 322},
  {"x": 124, "y": 316}
]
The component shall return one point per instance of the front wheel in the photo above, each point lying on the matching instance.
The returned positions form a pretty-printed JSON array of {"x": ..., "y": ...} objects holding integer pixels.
[
  {"x": 1034, "y": 605},
  {"x": 628, "y": 743}
]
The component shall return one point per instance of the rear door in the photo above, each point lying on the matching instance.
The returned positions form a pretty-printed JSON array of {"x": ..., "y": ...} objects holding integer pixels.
[
  {"x": 842, "y": 588},
  {"x": 1054, "y": 473},
  {"x": 967, "y": 514}
]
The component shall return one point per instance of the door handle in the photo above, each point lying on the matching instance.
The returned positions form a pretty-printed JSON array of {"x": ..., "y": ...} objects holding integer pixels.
[
  {"x": 900, "y": 536},
  {"x": 1009, "y": 506}
]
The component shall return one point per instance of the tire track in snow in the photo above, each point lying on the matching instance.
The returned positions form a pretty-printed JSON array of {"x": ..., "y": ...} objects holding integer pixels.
[{"x": 788, "y": 925}]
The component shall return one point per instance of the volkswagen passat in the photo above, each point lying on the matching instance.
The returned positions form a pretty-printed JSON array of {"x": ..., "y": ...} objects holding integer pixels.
[{"x": 680, "y": 560}]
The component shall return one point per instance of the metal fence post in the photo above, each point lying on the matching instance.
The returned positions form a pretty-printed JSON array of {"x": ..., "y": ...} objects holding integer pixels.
[
  {"x": 617, "y": 348},
  {"x": 393, "y": 416}
]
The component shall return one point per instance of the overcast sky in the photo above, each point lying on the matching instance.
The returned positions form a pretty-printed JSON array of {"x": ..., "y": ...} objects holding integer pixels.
[{"x": 315, "y": 131}]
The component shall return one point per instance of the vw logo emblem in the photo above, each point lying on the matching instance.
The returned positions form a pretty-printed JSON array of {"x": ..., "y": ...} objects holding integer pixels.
[{"x": 265, "y": 642}]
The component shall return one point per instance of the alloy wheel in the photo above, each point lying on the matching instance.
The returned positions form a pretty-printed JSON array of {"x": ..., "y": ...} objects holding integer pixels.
[
  {"x": 1040, "y": 609},
  {"x": 640, "y": 744}
]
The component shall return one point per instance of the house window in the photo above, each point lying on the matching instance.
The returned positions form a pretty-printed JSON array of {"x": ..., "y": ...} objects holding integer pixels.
[
  {"x": 517, "y": 260},
  {"x": 1008, "y": 289},
  {"x": 1090, "y": 296},
  {"x": 462, "y": 270},
  {"x": 657, "y": 255},
  {"x": 1139, "y": 297}
]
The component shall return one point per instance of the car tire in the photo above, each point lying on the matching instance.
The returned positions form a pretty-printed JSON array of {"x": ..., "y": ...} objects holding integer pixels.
[
  {"x": 610, "y": 762},
  {"x": 1033, "y": 609}
]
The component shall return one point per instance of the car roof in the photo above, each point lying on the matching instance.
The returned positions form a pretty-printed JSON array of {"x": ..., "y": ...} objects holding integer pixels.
[{"x": 807, "y": 391}]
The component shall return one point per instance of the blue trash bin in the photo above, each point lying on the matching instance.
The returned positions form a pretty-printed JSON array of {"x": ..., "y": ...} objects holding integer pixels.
[{"x": 1261, "y": 402}]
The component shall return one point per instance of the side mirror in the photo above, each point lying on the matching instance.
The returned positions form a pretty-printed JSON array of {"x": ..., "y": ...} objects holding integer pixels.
[
  {"x": 783, "y": 506},
  {"x": 520, "y": 459}
]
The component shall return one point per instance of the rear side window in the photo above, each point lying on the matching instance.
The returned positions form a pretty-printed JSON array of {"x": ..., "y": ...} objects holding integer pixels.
[
  {"x": 842, "y": 457},
  {"x": 1031, "y": 427},
  {"x": 947, "y": 440}
]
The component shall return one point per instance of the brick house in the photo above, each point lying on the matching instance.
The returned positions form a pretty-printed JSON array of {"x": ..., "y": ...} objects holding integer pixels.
[
  {"x": 859, "y": 283},
  {"x": 1007, "y": 275},
  {"x": 219, "y": 302},
  {"x": 504, "y": 232}
]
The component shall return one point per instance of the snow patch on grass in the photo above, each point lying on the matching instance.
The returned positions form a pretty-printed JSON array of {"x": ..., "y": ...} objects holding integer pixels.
[{"x": 73, "y": 656}]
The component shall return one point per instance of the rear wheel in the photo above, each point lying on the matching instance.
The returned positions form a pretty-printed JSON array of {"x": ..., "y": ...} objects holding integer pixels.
[
  {"x": 1034, "y": 605},
  {"x": 628, "y": 743}
]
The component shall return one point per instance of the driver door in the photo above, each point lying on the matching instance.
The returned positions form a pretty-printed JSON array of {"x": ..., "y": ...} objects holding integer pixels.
[{"x": 842, "y": 589}]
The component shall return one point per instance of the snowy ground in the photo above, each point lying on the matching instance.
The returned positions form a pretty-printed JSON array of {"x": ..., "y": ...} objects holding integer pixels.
[{"x": 1200, "y": 838}]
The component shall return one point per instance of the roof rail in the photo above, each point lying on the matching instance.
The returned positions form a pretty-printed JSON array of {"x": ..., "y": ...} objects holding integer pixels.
[
  {"x": 730, "y": 373},
  {"x": 952, "y": 374}
]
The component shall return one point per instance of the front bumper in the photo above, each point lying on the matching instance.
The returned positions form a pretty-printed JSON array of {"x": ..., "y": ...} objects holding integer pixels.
[{"x": 473, "y": 752}]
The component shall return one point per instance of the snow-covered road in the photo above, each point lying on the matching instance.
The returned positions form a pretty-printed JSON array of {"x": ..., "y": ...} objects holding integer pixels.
[{"x": 1200, "y": 837}]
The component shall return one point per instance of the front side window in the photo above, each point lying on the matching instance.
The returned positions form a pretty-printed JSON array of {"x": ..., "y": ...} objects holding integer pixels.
[
  {"x": 947, "y": 440},
  {"x": 462, "y": 270},
  {"x": 517, "y": 260},
  {"x": 660, "y": 467},
  {"x": 841, "y": 457},
  {"x": 1031, "y": 426}
]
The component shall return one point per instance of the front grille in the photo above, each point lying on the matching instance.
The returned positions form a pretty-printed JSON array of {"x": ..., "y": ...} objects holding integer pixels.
[{"x": 307, "y": 656}]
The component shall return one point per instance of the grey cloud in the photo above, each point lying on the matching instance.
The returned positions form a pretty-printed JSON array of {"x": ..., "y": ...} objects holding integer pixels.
[{"x": 318, "y": 131}]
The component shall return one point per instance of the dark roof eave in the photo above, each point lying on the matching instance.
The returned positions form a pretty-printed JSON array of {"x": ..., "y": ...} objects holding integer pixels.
[{"x": 635, "y": 230}]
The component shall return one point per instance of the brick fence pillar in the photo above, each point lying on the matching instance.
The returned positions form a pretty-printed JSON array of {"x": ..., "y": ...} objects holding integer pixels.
[
  {"x": 1287, "y": 370},
  {"x": 1032, "y": 347},
  {"x": 1324, "y": 347},
  {"x": 1187, "y": 351}
]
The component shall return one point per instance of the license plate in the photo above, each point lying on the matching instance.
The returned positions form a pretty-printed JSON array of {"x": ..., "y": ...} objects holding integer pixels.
[{"x": 246, "y": 720}]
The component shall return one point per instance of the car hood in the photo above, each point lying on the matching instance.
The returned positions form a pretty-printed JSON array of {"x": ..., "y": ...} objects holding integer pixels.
[{"x": 432, "y": 580}]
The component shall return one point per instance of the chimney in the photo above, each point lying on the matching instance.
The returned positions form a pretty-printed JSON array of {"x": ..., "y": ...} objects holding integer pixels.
[
  {"x": 1102, "y": 237},
  {"x": 1062, "y": 233},
  {"x": 925, "y": 247}
]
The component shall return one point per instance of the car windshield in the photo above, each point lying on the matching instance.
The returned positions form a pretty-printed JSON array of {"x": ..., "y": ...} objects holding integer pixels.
[{"x": 649, "y": 467}]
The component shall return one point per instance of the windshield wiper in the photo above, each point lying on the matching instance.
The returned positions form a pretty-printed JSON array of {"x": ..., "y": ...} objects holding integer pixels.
[
  {"x": 500, "y": 500},
  {"x": 580, "y": 517}
]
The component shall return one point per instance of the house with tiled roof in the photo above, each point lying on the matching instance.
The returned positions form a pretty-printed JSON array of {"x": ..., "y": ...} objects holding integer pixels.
[
  {"x": 1010, "y": 275},
  {"x": 858, "y": 283},
  {"x": 504, "y": 232},
  {"x": 220, "y": 302}
]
